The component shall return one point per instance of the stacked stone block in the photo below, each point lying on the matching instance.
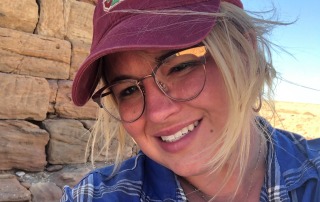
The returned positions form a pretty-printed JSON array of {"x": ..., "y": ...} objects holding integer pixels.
[{"x": 42, "y": 44}]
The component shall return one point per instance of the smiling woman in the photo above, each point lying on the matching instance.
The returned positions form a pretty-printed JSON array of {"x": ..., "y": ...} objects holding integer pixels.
[{"x": 185, "y": 80}]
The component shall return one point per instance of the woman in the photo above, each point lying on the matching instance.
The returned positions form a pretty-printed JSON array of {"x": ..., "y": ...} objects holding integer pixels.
[{"x": 185, "y": 80}]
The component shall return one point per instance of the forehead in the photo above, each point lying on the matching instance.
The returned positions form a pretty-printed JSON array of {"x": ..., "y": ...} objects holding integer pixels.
[
  {"x": 150, "y": 55},
  {"x": 115, "y": 58},
  {"x": 132, "y": 63}
]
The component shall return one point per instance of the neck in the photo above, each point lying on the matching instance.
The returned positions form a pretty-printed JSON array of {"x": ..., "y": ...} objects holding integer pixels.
[{"x": 219, "y": 187}]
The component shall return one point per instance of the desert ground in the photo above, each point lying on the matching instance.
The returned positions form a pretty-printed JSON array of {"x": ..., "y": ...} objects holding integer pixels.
[{"x": 301, "y": 118}]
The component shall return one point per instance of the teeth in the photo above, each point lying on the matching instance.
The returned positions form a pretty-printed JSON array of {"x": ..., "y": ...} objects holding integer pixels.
[
  {"x": 191, "y": 127},
  {"x": 185, "y": 130},
  {"x": 178, "y": 135}
]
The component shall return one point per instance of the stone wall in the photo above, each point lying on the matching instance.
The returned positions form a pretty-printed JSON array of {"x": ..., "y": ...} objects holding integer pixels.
[{"x": 43, "y": 136}]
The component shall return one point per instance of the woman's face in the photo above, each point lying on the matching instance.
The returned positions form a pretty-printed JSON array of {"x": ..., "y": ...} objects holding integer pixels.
[{"x": 203, "y": 117}]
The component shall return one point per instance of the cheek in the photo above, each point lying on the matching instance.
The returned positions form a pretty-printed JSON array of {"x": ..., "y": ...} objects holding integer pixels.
[
  {"x": 135, "y": 129},
  {"x": 215, "y": 88},
  {"x": 214, "y": 96}
]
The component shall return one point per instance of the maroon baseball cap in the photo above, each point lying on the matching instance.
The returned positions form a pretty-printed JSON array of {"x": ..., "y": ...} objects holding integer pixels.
[{"x": 122, "y": 25}]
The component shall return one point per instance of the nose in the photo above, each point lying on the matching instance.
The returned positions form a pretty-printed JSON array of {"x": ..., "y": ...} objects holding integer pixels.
[{"x": 158, "y": 107}]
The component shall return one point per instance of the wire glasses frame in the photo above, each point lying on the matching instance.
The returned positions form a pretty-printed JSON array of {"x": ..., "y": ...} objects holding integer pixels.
[{"x": 180, "y": 75}]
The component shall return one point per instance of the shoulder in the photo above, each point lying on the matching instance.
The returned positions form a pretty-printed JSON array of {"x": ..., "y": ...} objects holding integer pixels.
[
  {"x": 293, "y": 165},
  {"x": 292, "y": 144},
  {"x": 289, "y": 143},
  {"x": 101, "y": 183},
  {"x": 299, "y": 163},
  {"x": 136, "y": 180}
]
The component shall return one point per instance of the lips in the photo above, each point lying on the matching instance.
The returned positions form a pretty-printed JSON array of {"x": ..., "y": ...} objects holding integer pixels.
[{"x": 181, "y": 133}]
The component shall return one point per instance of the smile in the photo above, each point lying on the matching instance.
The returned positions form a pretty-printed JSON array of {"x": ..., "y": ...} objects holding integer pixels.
[{"x": 181, "y": 133}]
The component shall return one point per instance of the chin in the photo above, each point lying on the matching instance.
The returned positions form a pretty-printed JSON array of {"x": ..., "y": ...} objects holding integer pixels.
[{"x": 187, "y": 170}]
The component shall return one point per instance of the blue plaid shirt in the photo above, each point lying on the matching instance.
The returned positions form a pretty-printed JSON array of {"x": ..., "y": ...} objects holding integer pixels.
[{"x": 293, "y": 174}]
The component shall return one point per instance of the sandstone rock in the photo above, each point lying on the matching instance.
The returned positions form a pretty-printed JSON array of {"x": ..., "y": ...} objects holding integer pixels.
[
  {"x": 44, "y": 54},
  {"x": 79, "y": 20},
  {"x": 54, "y": 168},
  {"x": 10, "y": 61},
  {"x": 80, "y": 50},
  {"x": 28, "y": 54},
  {"x": 65, "y": 107},
  {"x": 35, "y": 45},
  {"x": 52, "y": 116},
  {"x": 88, "y": 124},
  {"x": 22, "y": 146},
  {"x": 94, "y": 2},
  {"x": 51, "y": 21},
  {"x": 11, "y": 190},
  {"x": 51, "y": 111},
  {"x": 23, "y": 97},
  {"x": 53, "y": 84},
  {"x": 19, "y": 14},
  {"x": 27, "y": 185},
  {"x": 71, "y": 177},
  {"x": 101, "y": 155},
  {"x": 48, "y": 192},
  {"x": 68, "y": 141},
  {"x": 32, "y": 66},
  {"x": 7, "y": 176}
]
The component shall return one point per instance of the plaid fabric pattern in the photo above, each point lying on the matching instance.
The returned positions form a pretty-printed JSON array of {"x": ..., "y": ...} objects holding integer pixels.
[
  {"x": 292, "y": 164},
  {"x": 293, "y": 168}
]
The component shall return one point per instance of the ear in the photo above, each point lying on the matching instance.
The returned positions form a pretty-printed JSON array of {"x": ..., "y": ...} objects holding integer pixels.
[{"x": 251, "y": 37}]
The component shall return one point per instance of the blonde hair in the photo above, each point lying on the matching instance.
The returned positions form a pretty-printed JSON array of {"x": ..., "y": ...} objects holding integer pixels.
[{"x": 243, "y": 56}]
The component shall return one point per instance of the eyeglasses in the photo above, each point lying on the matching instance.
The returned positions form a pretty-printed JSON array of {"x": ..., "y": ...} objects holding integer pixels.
[{"x": 181, "y": 76}]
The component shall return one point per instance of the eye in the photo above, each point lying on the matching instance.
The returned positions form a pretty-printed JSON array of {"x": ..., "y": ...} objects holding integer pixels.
[
  {"x": 183, "y": 67},
  {"x": 128, "y": 91}
]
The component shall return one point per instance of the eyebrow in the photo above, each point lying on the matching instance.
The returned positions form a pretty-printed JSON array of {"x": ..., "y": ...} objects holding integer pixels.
[{"x": 122, "y": 77}]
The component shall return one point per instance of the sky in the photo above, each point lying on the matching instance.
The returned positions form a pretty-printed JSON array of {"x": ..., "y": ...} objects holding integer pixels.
[{"x": 302, "y": 41}]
